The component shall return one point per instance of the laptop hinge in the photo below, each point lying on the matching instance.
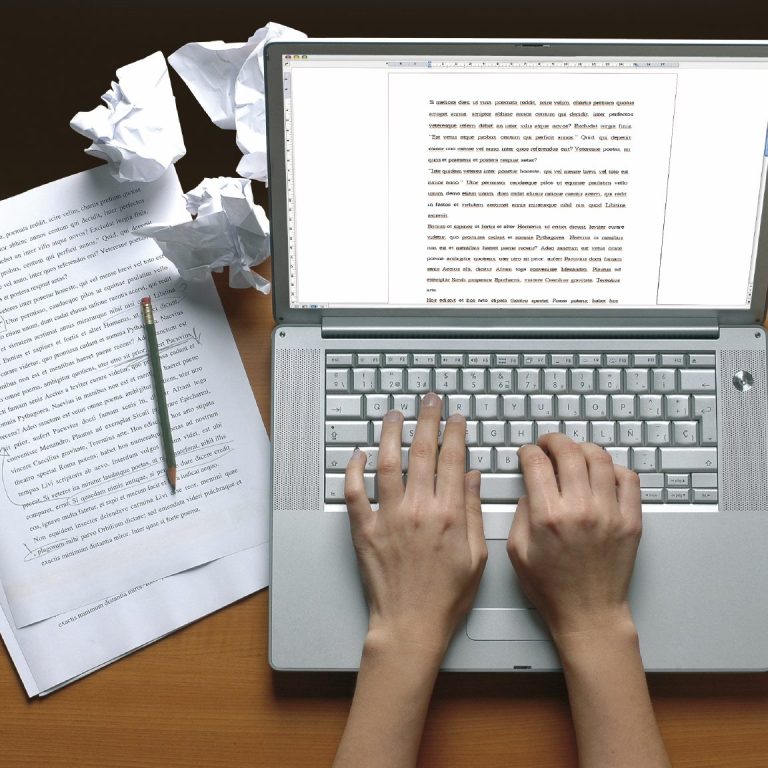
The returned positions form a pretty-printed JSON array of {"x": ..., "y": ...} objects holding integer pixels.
[{"x": 419, "y": 327}]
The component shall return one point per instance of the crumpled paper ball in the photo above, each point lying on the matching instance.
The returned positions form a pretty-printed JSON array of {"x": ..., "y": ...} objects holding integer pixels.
[
  {"x": 138, "y": 131},
  {"x": 228, "y": 230}
]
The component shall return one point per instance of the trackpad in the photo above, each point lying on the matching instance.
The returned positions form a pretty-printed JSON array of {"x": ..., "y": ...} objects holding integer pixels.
[{"x": 506, "y": 624}]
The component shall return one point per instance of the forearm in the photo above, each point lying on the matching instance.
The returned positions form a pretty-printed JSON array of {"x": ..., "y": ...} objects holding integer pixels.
[
  {"x": 612, "y": 712},
  {"x": 390, "y": 704}
]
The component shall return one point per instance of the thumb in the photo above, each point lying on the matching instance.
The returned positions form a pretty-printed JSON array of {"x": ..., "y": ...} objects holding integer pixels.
[{"x": 475, "y": 534}]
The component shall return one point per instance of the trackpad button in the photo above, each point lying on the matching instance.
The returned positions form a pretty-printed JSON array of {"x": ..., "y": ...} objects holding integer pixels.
[{"x": 506, "y": 624}]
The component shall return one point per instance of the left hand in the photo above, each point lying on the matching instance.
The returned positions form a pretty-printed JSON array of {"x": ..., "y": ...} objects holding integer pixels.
[{"x": 422, "y": 554}]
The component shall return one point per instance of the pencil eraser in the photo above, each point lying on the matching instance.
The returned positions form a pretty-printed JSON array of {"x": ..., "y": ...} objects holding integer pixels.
[{"x": 146, "y": 300}]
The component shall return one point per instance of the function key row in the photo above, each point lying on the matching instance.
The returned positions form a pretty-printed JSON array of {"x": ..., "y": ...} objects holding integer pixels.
[{"x": 515, "y": 359}]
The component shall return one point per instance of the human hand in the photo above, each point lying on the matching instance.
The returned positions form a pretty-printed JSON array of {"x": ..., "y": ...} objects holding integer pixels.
[
  {"x": 575, "y": 535},
  {"x": 422, "y": 553}
]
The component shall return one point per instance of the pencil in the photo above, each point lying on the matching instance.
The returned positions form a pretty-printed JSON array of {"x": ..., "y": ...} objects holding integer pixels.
[{"x": 157, "y": 379}]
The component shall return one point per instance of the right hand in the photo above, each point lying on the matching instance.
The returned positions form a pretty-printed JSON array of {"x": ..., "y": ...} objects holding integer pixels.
[{"x": 575, "y": 535}]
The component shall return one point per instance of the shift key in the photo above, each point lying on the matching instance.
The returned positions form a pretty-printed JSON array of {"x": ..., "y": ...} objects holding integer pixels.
[{"x": 688, "y": 459}]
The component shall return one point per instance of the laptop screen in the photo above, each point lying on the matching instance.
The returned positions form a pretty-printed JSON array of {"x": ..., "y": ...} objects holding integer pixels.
[{"x": 468, "y": 182}]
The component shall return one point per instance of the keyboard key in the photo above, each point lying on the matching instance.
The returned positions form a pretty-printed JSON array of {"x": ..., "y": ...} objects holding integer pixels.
[
  {"x": 446, "y": 380},
  {"x": 338, "y": 358},
  {"x": 609, "y": 380},
  {"x": 507, "y": 360},
  {"x": 651, "y": 479},
  {"x": 563, "y": 360},
  {"x": 590, "y": 360},
  {"x": 500, "y": 380},
  {"x": 596, "y": 406},
  {"x": 569, "y": 406},
  {"x": 470, "y": 434},
  {"x": 396, "y": 358},
  {"x": 408, "y": 433},
  {"x": 641, "y": 359},
  {"x": 418, "y": 380},
  {"x": 630, "y": 433},
  {"x": 706, "y": 495},
  {"x": 541, "y": 406},
  {"x": 337, "y": 380},
  {"x": 576, "y": 430},
  {"x": 368, "y": 358},
  {"x": 501, "y": 488},
  {"x": 336, "y": 459},
  {"x": 604, "y": 432},
  {"x": 677, "y": 406},
  {"x": 406, "y": 404},
  {"x": 425, "y": 359},
  {"x": 506, "y": 460},
  {"x": 582, "y": 380},
  {"x": 458, "y": 404},
  {"x": 513, "y": 406},
  {"x": 688, "y": 459},
  {"x": 546, "y": 427},
  {"x": 486, "y": 406},
  {"x": 704, "y": 408},
  {"x": 364, "y": 380},
  {"x": 452, "y": 358},
  {"x": 652, "y": 495},
  {"x": 347, "y": 432},
  {"x": 528, "y": 380},
  {"x": 534, "y": 359},
  {"x": 644, "y": 459},
  {"x": 699, "y": 360},
  {"x": 686, "y": 433},
  {"x": 620, "y": 359},
  {"x": 478, "y": 360},
  {"x": 479, "y": 458},
  {"x": 492, "y": 432},
  {"x": 673, "y": 360},
  {"x": 376, "y": 406},
  {"x": 663, "y": 380},
  {"x": 473, "y": 380},
  {"x": 636, "y": 379},
  {"x": 704, "y": 479},
  {"x": 677, "y": 481},
  {"x": 555, "y": 380},
  {"x": 620, "y": 456},
  {"x": 697, "y": 380},
  {"x": 649, "y": 406},
  {"x": 392, "y": 379},
  {"x": 623, "y": 406},
  {"x": 344, "y": 406},
  {"x": 657, "y": 433},
  {"x": 678, "y": 495},
  {"x": 520, "y": 432},
  {"x": 334, "y": 488}
]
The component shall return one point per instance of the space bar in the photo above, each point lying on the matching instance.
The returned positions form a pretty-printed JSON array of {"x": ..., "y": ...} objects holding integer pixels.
[{"x": 501, "y": 488}]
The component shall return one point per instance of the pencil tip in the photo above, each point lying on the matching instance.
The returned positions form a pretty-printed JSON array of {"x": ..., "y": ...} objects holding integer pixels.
[{"x": 171, "y": 473}]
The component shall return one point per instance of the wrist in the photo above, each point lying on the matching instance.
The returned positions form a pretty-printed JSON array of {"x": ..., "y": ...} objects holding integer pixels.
[
  {"x": 420, "y": 648},
  {"x": 593, "y": 635}
]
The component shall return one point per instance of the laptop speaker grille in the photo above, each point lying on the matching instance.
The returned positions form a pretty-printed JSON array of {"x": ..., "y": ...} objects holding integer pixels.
[
  {"x": 744, "y": 461},
  {"x": 297, "y": 429}
]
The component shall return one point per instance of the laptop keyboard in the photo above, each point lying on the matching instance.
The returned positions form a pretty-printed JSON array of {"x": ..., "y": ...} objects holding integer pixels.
[{"x": 654, "y": 413}]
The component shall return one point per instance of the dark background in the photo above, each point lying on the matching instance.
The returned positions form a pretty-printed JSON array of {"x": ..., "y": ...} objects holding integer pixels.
[{"x": 57, "y": 58}]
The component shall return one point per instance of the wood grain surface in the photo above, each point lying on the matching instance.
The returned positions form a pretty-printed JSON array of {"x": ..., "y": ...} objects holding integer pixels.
[{"x": 206, "y": 696}]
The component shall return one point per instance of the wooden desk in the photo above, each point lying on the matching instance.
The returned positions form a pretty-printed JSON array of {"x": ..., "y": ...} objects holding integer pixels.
[{"x": 206, "y": 696}]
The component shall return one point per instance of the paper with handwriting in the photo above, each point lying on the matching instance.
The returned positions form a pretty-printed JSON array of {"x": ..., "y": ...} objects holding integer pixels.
[{"x": 85, "y": 509}]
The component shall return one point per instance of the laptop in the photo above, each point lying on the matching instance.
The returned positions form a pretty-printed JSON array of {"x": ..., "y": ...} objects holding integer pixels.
[{"x": 553, "y": 236}]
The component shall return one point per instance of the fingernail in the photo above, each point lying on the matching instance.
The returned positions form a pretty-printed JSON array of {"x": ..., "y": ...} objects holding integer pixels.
[
  {"x": 456, "y": 417},
  {"x": 355, "y": 452},
  {"x": 431, "y": 399},
  {"x": 393, "y": 415}
]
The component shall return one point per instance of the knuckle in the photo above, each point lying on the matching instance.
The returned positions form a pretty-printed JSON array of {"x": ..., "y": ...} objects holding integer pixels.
[
  {"x": 601, "y": 457},
  {"x": 422, "y": 449},
  {"x": 451, "y": 458},
  {"x": 353, "y": 493},
  {"x": 388, "y": 465},
  {"x": 535, "y": 461}
]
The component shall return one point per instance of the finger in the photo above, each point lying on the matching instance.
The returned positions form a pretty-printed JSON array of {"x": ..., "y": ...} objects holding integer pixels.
[
  {"x": 358, "y": 506},
  {"x": 602, "y": 478},
  {"x": 628, "y": 494},
  {"x": 569, "y": 463},
  {"x": 519, "y": 534},
  {"x": 540, "y": 482},
  {"x": 389, "y": 472},
  {"x": 475, "y": 533},
  {"x": 422, "y": 457},
  {"x": 452, "y": 459}
]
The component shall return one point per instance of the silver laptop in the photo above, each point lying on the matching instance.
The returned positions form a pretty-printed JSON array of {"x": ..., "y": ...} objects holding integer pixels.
[{"x": 562, "y": 236}]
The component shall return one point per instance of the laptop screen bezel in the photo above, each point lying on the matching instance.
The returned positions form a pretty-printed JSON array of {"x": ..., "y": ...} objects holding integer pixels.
[{"x": 284, "y": 313}]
